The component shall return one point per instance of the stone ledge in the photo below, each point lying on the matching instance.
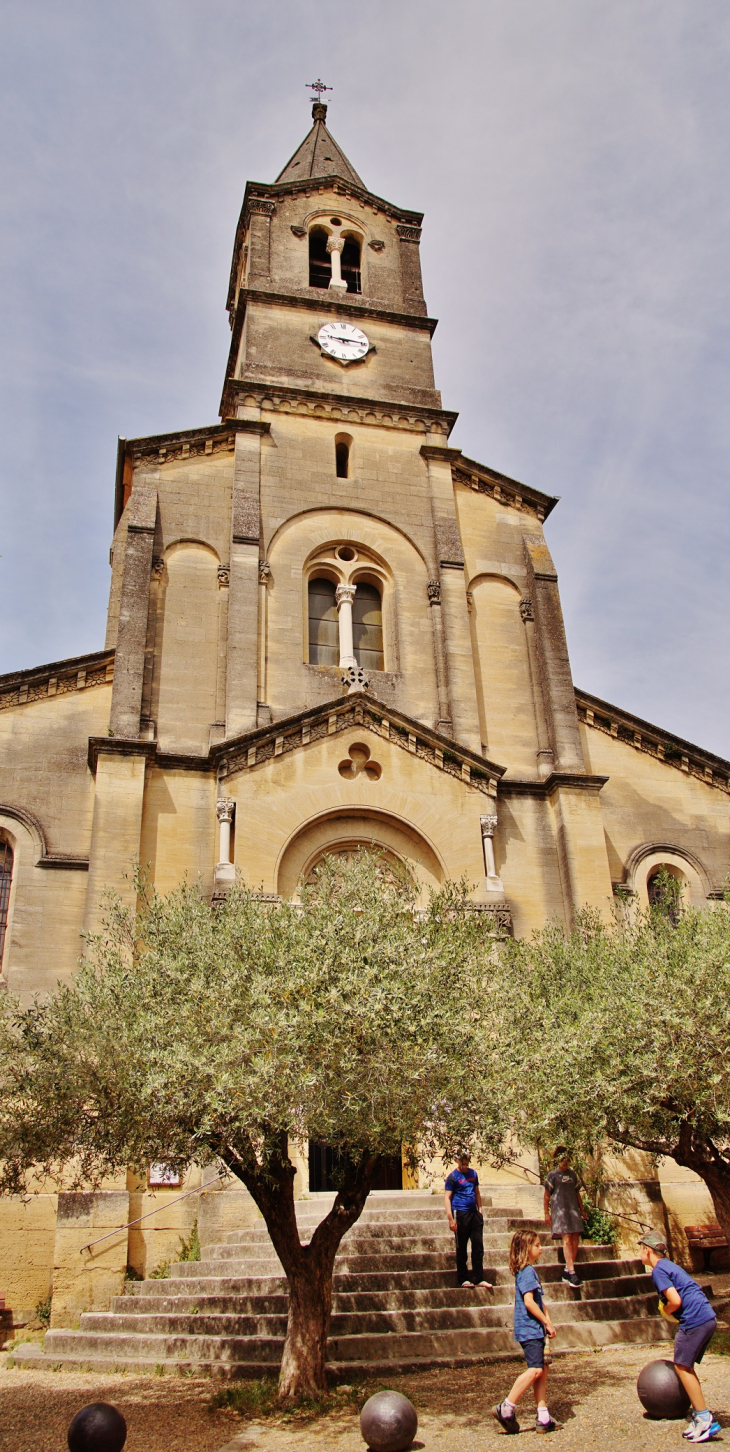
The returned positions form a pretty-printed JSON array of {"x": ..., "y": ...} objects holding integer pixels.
[
  {"x": 38, "y": 683},
  {"x": 662, "y": 745}
]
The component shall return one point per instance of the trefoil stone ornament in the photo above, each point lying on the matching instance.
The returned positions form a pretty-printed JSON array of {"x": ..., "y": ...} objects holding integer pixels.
[{"x": 355, "y": 679}]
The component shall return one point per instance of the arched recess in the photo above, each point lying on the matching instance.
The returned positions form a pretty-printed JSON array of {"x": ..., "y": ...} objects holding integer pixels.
[
  {"x": 646, "y": 860},
  {"x": 26, "y": 841},
  {"x": 504, "y": 684},
  {"x": 315, "y": 543},
  {"x": 186, "y": 653},
  {"x": 340, "y": 830}
]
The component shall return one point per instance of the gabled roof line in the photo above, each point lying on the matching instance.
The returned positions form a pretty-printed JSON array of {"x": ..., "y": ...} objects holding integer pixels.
[
  {"x": 319, "y": 154},
  {"x": 672, "y": 750}
]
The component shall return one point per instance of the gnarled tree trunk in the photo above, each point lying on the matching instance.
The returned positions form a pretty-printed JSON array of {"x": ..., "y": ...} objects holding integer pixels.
[
  {"x": 308, "y": 1268},
  {"x": 699, "y": 1153}
]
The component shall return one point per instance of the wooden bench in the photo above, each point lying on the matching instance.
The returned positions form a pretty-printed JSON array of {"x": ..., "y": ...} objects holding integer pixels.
[{"x": 705, "y": 1238}]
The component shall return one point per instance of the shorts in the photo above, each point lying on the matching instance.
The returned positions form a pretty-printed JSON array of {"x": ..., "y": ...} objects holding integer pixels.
[
  {"x": 691, "y": 1345},
  {"x": 534, "y": 1352}
]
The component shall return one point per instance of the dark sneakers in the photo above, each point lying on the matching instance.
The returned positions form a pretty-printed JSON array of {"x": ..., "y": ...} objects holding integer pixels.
[
  {"x": 571, "y": 1279},
  {"x": 509, "y": 1424},
  {"x": 545, "y": 1426}
]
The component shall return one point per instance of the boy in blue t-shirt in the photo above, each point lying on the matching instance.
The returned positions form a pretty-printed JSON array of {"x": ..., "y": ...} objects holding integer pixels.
[
  {"x": 463, "y": 1202},
  {"x": 687, "y": 1301}
]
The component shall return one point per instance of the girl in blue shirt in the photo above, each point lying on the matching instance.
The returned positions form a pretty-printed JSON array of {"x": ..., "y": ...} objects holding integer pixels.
[{"x": 532, "y": 1325}]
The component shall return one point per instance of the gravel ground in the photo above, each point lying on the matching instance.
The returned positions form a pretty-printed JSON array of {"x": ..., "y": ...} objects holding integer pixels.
[{"x": 592, "y": 1395}]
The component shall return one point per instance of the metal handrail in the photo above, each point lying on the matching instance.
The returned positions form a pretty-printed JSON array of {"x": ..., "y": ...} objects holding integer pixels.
[{"x": 201, "y": 1190}]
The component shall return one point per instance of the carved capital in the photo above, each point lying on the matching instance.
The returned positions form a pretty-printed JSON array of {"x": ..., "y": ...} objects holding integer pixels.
[
  {"x": 158, "y": 566},
  {"x": 335, "y": 244},
  {"x": 224, "y": 809},
  {"x": 224, "y": 575},
  {"x": 355, "y": 679},
  {"x": 434, "y": 592},
  {"x": 488, "y": 824},
  {"x": 260, "y": 204},
  {"x": 526, "y": 609},
  {"x": 344, "y": 595},
  {"x": 408, "y": 234},
  {"x": 264, "y": 572}
]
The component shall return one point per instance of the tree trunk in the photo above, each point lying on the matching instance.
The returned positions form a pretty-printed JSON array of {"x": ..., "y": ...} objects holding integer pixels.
[
  {"x": 698, "y": 1153},
  {"x": 308, "y": 1268}
]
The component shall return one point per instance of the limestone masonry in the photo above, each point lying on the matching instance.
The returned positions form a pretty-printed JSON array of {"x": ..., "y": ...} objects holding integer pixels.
[{"x": 326, "y": 627}]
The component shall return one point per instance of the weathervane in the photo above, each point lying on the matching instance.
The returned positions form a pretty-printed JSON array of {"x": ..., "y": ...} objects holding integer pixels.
[{"x": 319, "y": 87}]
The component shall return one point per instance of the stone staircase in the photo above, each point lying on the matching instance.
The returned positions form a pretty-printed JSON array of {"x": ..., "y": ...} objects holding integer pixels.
[{"x": 397, "y": 1306}]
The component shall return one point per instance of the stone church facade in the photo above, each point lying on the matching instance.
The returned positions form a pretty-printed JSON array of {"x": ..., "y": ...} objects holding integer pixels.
[{"x": 327, "y": 626}]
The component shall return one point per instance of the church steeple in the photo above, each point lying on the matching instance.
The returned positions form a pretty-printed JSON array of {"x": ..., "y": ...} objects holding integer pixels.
[{"x": 319, "y": 155}]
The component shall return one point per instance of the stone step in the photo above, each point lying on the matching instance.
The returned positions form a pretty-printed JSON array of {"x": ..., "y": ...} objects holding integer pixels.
[
  {"x": 403, "y": 1298},
  {"x": 359, "y": 1322},
  {"x": 353, "y": 1261},
  {"x": 496, "y": 1231},
  {"x": 361, "y": 1245},
  {"x": 242, "y": 1356}
]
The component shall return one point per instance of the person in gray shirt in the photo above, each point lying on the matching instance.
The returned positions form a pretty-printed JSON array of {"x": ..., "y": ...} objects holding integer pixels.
[{"x": 563, "y": 1207}]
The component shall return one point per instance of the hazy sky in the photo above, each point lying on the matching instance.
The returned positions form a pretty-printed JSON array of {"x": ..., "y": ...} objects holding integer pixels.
[{"x": 571, "y": 157}]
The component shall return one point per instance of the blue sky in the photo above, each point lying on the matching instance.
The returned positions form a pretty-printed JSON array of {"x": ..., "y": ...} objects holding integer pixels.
[{"x": 572, "y": 162}]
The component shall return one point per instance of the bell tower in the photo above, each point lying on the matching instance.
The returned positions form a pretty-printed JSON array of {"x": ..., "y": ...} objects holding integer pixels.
[{"x": 325, "y": 289}]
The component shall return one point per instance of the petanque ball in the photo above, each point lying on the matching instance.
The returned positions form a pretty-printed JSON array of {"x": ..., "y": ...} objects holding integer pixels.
[
  {"x": 388, "y": 1422},
  {"x": 661, "y": 1392},
  {"x": 97, "y": 1428}
]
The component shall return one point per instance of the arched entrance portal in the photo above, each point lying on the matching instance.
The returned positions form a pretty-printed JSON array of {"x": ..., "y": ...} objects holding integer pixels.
[{"x": 347, "y": 828}]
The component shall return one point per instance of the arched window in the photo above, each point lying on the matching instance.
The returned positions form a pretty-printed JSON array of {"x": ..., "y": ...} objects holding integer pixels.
[
  {"x": 6, "y": 877},
  {"x": 367, "y": 628},
  {"x": 350, "y": 265},
  {"x": 342, "y": 455},
  {"x": 320, "y": 263},
  {"x": 324, "y": 635},
  {"x": 664, "y": 891}
]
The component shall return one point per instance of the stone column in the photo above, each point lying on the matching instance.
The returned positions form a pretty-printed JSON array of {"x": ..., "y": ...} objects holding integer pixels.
[
  {"x": 334, "y": 247},
  {"x": 434, "y": 599},
  {"x": 243, "y": 591},
  {"x": 488, "y": 824},
  {"x": 225, "y": 870},
  {"x": 552, "y": 657},
  {"x": 344, "y": 595},
  {"x": 264, "y": 576},
  {"x": 545, "y": 757}
]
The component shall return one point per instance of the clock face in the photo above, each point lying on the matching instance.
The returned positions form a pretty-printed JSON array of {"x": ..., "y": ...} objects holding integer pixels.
[{"x": 343, "y": 342}]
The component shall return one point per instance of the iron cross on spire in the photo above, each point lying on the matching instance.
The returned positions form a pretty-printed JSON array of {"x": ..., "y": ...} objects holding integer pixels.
[{"x": 319, "y": 87}]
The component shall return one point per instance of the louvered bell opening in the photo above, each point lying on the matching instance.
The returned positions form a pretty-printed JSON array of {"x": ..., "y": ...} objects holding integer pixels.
[
  {"x": 367, "y": 628},
  {"x": 324, "y": 635}
]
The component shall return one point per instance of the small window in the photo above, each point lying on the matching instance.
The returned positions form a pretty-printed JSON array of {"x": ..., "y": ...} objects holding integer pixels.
[
  {"x": 320, "y": 262},
  {"x": 343, "y": 444},
  {"x": 350, "y": 265},
  {"x": 324, "y": 634},
  {"x": 6, "y": 877},
  {"x": 367, "y": 628}
]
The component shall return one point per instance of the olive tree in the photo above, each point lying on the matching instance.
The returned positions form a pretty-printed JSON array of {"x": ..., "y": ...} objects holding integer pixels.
[
  {"x": 619, "y": 1031},
  {"x": 195, "y": 1032}
]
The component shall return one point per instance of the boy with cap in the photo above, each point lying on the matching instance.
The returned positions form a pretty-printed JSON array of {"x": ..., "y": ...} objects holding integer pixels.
[{"x": 687, "y": 1301}]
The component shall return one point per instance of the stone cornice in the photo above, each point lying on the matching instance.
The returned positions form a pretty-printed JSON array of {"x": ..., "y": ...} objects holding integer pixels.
[
  {"x": 38, "y": 683},
  {"x": 263, "y": 196},
  {"x": 253, "y": 748},
  {"x": 121, "y": 746},
  {"x": 187, "y": 443},
  {"x": 642, "y": 736},
  {"x": 503, "y": 489},
  {"x": 515, "y": 786},
  {"x": 321, "y": 403}
]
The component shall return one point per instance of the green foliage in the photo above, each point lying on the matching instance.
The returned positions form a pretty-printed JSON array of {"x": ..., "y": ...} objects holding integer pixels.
[
  {"x": 130, "y": 1274},
  {"x": 161, "y": 1272},
  {"x": 600, "y": 1227},
  {"x": 618, "y": 1030},
  {"x": 192, "y": 1033},
  {"x": 43, "y": 1311},
  {"x": 190, "y": 1248}
]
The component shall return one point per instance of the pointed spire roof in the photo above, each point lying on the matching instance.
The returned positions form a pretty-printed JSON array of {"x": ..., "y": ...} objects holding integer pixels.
[{"x": 319, "y": 154}]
